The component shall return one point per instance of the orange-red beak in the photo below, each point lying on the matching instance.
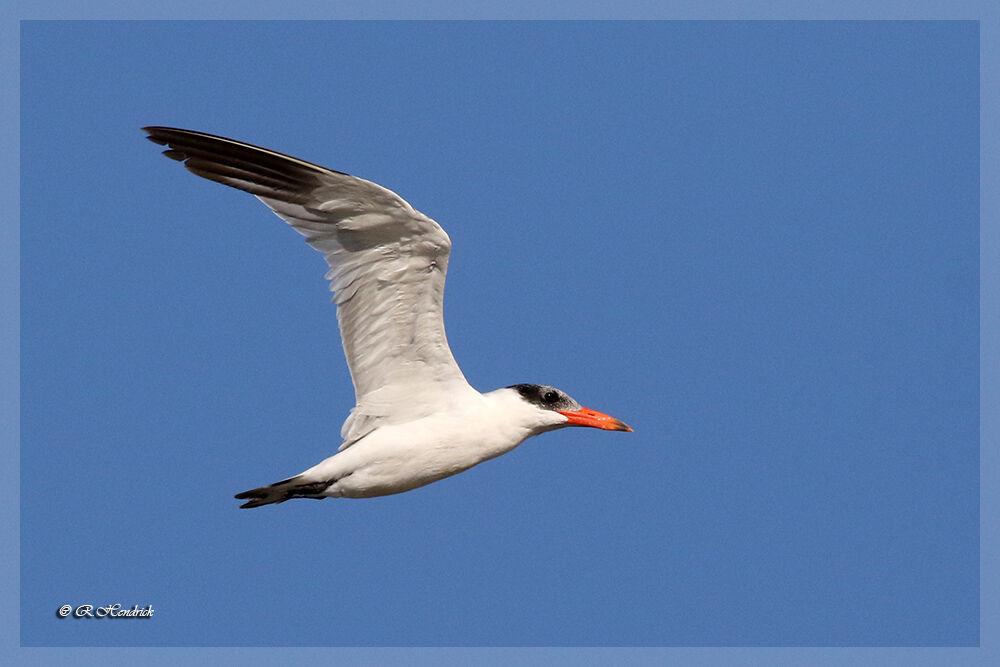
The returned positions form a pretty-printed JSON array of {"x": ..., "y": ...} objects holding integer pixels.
[{"x": 593, "y": 418}]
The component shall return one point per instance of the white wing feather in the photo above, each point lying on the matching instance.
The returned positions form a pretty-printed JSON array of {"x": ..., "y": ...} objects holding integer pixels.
[{"x": 387, "y": 261}]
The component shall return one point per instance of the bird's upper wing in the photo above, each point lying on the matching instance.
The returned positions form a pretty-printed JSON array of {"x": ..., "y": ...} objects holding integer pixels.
[{"x": 387, "y": 269}]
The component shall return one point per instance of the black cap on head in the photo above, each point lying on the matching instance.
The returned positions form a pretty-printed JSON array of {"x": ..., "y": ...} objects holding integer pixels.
[{"x": 545, "y": 397}]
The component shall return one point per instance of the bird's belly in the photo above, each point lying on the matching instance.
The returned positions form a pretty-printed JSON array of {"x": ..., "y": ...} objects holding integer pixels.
[
  {"x": 386, "y": 469},
  {"x": 395, "y": 474},
  {"x": 383, "y": 481}
]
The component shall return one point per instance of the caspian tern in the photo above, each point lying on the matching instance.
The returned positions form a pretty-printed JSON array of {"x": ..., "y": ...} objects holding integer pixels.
[{"x": 417, "y": 419}]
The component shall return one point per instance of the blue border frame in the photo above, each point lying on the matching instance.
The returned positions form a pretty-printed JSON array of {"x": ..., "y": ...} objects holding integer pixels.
[{"x": 989, "y": 23}]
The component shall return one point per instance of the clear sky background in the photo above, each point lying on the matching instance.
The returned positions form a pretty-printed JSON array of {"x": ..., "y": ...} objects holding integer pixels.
[{"x": 756, "y": 243}]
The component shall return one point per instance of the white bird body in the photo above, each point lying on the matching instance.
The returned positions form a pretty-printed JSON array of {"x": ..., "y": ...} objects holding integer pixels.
[
  {"x": 416, "y": 419},
  {"x": 401, "y": 457}
]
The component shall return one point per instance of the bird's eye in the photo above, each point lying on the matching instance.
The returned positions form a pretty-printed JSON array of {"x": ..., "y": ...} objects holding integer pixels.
[{"x": 550, "y": 397}]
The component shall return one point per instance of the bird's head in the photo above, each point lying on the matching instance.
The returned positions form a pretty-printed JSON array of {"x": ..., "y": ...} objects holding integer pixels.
[{"x": 563, "y": 410}]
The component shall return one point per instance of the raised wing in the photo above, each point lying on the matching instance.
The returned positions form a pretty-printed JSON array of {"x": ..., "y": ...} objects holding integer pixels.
[{"x": 387, "y": 269}]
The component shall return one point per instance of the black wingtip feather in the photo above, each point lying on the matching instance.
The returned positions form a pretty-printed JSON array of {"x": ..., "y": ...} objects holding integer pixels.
[
  {"x": 256, "y": 170},
  {"x": 180, "y": 156}
]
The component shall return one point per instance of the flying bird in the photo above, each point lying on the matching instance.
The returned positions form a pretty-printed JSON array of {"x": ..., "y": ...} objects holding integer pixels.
[{"x": 416, "y": 419}]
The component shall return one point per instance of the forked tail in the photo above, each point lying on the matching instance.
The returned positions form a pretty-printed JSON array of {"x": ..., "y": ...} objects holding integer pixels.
[{"x": 279, "y": 492}]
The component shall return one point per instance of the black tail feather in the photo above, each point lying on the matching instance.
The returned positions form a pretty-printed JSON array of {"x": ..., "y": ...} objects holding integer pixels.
[{"x": 279, "y": 492}]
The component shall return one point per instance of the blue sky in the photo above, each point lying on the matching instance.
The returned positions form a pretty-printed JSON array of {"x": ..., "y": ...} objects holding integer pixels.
[{"x": 757, "y": 243}]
